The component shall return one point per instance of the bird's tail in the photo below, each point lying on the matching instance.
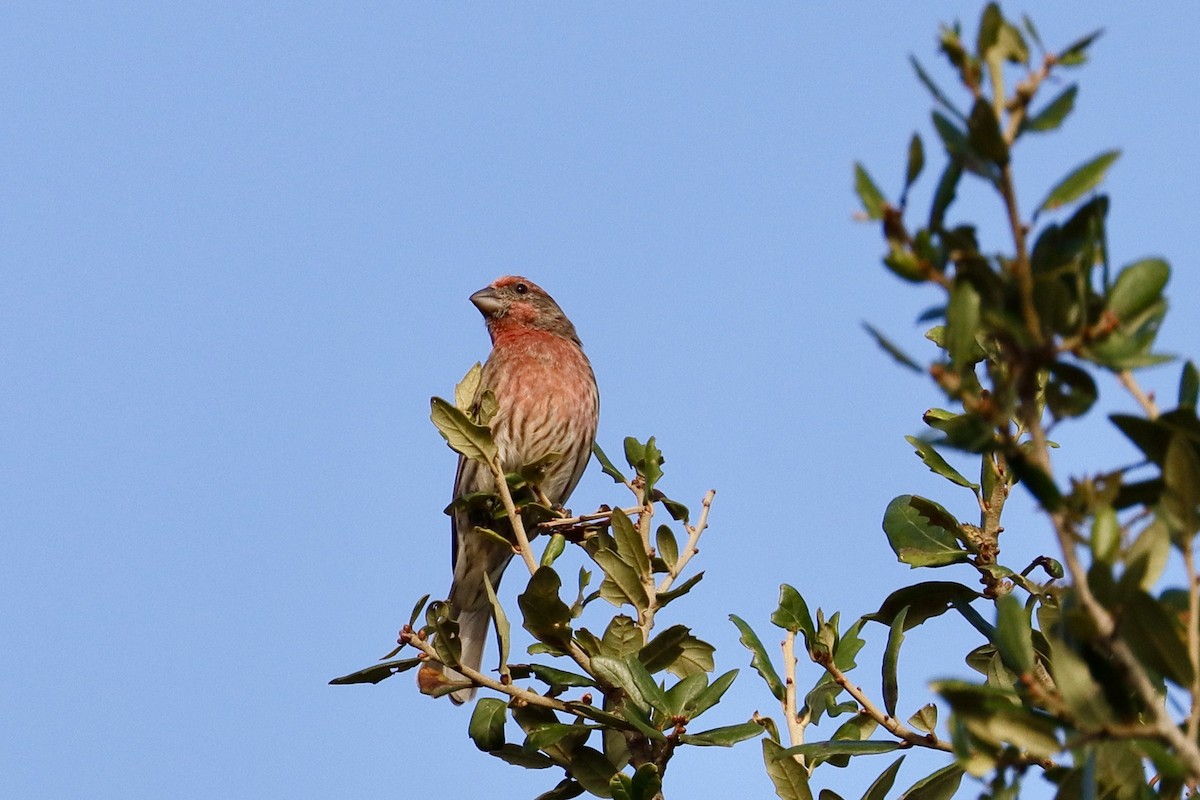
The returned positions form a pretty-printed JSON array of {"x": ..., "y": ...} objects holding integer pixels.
[{"x": 472, "y": 634}]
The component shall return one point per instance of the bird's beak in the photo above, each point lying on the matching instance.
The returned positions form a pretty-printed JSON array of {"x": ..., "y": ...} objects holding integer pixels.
[{"x": 487, "y": 301}]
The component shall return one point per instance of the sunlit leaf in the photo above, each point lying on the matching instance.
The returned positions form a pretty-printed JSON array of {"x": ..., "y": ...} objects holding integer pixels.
[
  {"x": 868, "y": 193},
  {"x": 919, "y": 532},
  {"x": 1079, "y": 182},
  {"x": 463, "y": 435},
  {"x": 787, "y": 775},
  {"x": 758, "y": 656}
]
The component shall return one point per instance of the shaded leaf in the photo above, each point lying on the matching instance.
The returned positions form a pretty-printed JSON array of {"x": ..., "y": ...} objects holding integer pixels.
[
  {"x": 710, "y": 696},
  {"x": 679, "y": 591},
  {"x": 1054, "y": 113},
  {"x": 377, "y": 672},
  {"x": 546, "y": 616},
  {"x": 499, "y": 623},
  {"x": 945, "y": 193},
  {"x": 891, "y": 660},
  {"x": 938, "y": 465},
  {"x": 941, "y": 785},
  {"x": 1189, "y": 386},
  {"x": 792, "y": 613},
  {"x": 520, "y": 757},
  {"x": 726, "y": 736},
  {"x": 487, "y": 723},
  {"x": 665, "y": 544},
  {"x": 630, "y": 547},
  {"x": 622, "y": 637},
  {"x": 1075, "y": 53},
  {"x": 1138, "y": 287},
  {"x": 919, "y": 532},
  {"x": 934, "y": 89},
  {"x": 962, "y": 324},
  {"x": 916, "y": 160},
  {"x": 558, "y": 680},
  {"x": 631, "y": 675},
  {"x": 606, "y": 465},
  {"x": 1014, "y": 635},
  {"x": 923, "y": 601},
  {"x": 835, "y": 748},
  {"x": 983, "y": 133},
  {"x": 892, "y": 350},
  {"x": 789, "y": 777},
  {"x": 758, "y": 657},
  {"x": 593, "y": 771},
  {"x": 883, "y": 784}
]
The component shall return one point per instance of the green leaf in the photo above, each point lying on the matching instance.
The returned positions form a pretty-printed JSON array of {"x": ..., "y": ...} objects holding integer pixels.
[
  {"x": 1106, "y": 535},
  {"x": 1070, "y": 391},
  {"x": 558, "y": 680},
  {"x": 892, "y": 350},
  {"x": 1077, "y": 687},
  {"x": 883, "y": 784},
  {"x": 923, "y": 601},
  {"x": 621, "y": 582},
  {"x": 1156, "y": 637},
  {"x": 937, "y": 465},
  {"x": 941, "y": 785},
  {"x": 1076, "y": 53},
  {"x": 499, "y": 623},
  {"x": 792, "y": 613},
  {"x": 1035, "y": 479},
  {"x": 487, "y": 723},
  {"x": 467, "y": 388},
  {"x": 520, "y": 757},
  {"x": 665, "y": 544},
  {"x": 788, "y": 776},
  {"x": 710, "y": 696},
  {"x": 983, "y": 133},
  {"x": 593, "y": 771},
  {"x": 631, "y": 675},
  {"x": 679, "y": 591},
  {"x": 1189, "y": 386},
  {"x": 868, "y": 193},
  {"x": 606, "y": 465},
  {"x": 891, "y": 660},
  {"x": 417, "y": 609},
  {"x": 934, "y": 89},
  {"x": 1082, "y": 180},
  {"x": 377, "y": 672},
  {"x": 1052, "y": 116},
  {"x": 919, "y": 532},
  {"x": 678, "y": 652},
  {"x": 726, "y": 736},
  {"x": 962, "y": 324},
  {"x": 925, "y": 720},
  {"x": 551, "y": 734},
  {"x": 547, "y": 617},
  {"x": 1138, "y": 287},
  {"x": 916, "y": 160},
  {"x": 630, "y": 547},
  {"x": 622, "y": 637},
  {"x": 758, "y": 657},
  {"x": 463, "y": 435},
  {"x": 646, "y": 783},
  {"x": 1014, "y": 637},
  {"x": 945, "y": 193},
  {"x": 835, "y": 748}
]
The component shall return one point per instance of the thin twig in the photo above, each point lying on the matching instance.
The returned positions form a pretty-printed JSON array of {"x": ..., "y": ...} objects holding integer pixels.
[
  {"x": 1146, "y": 401},
  {"x": 514, "y": 516},
  {"x": 890, "y": 723},
  {"x": 599, "y": 516},
  {"x": 693, "y": 538}
]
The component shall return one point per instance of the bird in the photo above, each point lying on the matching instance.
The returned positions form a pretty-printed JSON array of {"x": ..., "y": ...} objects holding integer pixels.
[{"x": 546, "y": 401}]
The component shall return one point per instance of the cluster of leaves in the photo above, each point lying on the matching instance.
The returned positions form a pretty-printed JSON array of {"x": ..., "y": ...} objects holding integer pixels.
[
  {"x": 1074, "y": 677},
  {"x": 1079, "y": 651},
  {"x": 630, "y": 695}
]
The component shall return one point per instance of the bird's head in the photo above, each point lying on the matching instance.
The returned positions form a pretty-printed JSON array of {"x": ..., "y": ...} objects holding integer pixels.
[{"x": 516, "y": 304}]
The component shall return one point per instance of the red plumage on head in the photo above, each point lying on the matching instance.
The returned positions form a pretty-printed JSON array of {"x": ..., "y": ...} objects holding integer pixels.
[{"x": 546, "y": 402}]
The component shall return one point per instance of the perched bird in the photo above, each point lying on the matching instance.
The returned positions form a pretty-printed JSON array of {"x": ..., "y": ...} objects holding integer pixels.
[{"x": 546, "y": 402}]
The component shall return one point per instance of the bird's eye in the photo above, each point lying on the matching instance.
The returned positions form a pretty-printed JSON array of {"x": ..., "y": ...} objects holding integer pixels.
[{"x": 521, "y": 288}]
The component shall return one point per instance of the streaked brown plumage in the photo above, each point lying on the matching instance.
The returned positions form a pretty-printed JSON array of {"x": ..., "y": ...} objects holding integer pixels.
[{"x": 547, "y": 402}]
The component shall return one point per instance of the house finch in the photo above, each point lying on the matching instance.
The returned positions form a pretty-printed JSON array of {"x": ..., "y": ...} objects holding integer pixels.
[{"x": 546, "y": 402}]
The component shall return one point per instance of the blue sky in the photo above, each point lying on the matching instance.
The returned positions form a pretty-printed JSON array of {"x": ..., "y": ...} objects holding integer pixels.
[{"x": 238, "y": 243}]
